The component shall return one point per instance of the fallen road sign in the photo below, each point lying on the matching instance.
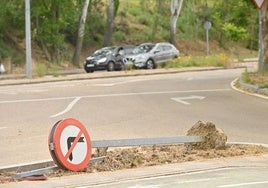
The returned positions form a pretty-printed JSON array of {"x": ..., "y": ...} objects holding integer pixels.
[{"x": 70, "y": 145}]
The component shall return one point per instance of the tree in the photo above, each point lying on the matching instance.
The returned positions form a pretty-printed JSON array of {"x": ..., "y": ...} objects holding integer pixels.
[
  {"x": 175, "y": 9},
  {"x": 110, "y": 23},
  {"x": 80, "y": 35},
  {"x": 263, "y": 64}
]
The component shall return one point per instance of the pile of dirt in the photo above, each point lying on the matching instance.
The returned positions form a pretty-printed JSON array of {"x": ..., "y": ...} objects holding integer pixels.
[{"x": 214, "y": 138}]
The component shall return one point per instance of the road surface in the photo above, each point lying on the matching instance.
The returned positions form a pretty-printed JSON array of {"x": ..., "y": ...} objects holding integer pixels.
[{"x": 127, "y": 107}]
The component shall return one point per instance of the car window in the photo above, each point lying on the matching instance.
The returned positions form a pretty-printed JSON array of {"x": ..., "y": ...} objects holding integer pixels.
[
  {"x": 167, "y": 48},
  {"x": 104, "y": 51},
  {"x": 144, "y": 48},
  {"x": 128, "y": 50},
  {"x": 160, "y": 48}
]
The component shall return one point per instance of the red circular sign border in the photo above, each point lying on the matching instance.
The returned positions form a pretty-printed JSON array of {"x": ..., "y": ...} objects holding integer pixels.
[
  {"x": 57, "y": 149},
  {"x": 51, "y": 145}
]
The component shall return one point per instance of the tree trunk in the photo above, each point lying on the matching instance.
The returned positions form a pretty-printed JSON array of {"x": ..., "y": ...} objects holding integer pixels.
[
  {"x": 263, "y": 64},
  {"x": 80, "y": 35},
  {"x": 41, "y": 41},
  {"x": 55, "y": 11},
  {"x": 175, "y": 8},
  {"x": 110, "y": 23}
]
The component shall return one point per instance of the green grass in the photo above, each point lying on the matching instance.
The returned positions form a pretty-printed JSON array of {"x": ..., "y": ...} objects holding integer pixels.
[
  {"x": 40, "y": 69},
  {"x": 220, "y": 60},
  {"x": 256, "y": 78}
]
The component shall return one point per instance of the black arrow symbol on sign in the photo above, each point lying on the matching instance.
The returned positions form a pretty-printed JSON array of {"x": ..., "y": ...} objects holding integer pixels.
[{"x": 70, "y": 140}]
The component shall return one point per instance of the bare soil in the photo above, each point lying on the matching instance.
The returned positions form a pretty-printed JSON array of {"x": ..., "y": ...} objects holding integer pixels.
[
  {"x": 135, "y": 157},
  {"x": 118, "y": 159},
  {"x": 157, "y": 155}
]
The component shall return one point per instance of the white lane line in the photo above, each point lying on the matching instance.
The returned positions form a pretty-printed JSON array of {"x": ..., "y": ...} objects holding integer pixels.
[
  {"x": 113, "y": 95},
  {"x": 69, "y": 107},
  {"x": 7, "y": 92},
  {"x": 3, "y": 128},
  {"x": 121, "y": 83},
  {"x": 244, "y": 184}
]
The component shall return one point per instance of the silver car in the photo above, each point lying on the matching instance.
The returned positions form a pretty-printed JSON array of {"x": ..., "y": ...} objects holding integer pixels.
[{"x": 149, "y": 55}]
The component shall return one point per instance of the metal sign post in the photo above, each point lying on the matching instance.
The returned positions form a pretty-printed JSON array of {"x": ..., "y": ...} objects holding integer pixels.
[
  {"x": 259, "y": 4},
  {"x": 207, "y": 26},
  {"x": 28, "y": 39},
  {"x": 260, "y": 63}
]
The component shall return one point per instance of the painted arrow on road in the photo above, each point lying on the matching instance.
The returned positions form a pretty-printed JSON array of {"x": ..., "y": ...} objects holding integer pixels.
[{"x": 182, "y": 99}]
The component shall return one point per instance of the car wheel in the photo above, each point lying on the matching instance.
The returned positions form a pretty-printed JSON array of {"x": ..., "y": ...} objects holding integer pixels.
[
  {"x": 110, "y": 66},
  {"x": 149, "y": 64}
]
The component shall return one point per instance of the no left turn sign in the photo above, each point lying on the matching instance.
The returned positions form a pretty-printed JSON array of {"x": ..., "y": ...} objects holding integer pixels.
[{"x": 70, "y": 145}]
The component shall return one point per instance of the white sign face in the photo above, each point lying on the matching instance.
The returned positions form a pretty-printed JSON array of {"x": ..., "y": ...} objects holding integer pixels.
[
  {"x": 79, "y": 150},
  {"x": 259, "y": 3}
]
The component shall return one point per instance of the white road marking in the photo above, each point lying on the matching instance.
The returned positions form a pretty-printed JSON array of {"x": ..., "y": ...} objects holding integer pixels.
[
  {"x": 189, "y": 78},
  {"x": 112, "y": 95},
  {"x": 244, "y": 184},
  {"x": 3, "y": 128},
  {"x": 8, "y": 92},
  {"x": 120, "y": 83},
  {"x": 69, "y": 107},
  {"x": 182, "y": 99}
]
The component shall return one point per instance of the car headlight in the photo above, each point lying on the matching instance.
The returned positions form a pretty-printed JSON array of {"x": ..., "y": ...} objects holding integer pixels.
[
  {"x": 89, "y": 58},
  {"x": 102, "y": 60}
]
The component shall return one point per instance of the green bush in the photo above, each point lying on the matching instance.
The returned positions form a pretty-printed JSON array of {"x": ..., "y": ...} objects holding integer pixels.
[
  {"x": 40, "y": 69},
  {"x": 234, "y": 32},
  {"x": 55, "y": 70},
  {"x": 134, "y": 11},
  {"x": 144, "y": 20},
  {"x": 119, "y": 36},
  {"x": 220, "y": 60}
]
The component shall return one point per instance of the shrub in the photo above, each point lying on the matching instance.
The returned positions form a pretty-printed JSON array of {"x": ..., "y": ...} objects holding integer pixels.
[
  {"x": 119, "y": 36},
  {"x": 55, "y": 70},
  {"x": 40, "y": 69},
  {"x": 144, "y": 20},
  {"x": 220, "y": 60}
]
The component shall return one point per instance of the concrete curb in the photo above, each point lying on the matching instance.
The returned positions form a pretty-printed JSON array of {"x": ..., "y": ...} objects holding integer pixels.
[
  {"x": 253, "y": 88},
  {"x": 100, "y": 75},
  {"x": 249, "y": 89}
]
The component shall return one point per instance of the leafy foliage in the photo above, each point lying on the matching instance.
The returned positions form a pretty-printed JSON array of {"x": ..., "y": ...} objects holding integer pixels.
[
  {"x": 234, "y": 33},
  {"x": 54, "y": 23},
  {"x": 220, "y": 60}
]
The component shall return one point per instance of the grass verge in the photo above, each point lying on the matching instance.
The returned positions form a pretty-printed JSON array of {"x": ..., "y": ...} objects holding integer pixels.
[{"x": 256, "y": 78}]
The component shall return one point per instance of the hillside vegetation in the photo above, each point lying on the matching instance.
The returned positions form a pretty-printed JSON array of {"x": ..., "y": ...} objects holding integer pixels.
[{"x": 54, "y": 26}]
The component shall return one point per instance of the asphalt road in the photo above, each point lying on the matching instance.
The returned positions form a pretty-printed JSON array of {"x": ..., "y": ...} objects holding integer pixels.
[
  {"x": 127, "y": 107},
  {"x": 214, "y": 178},
  {"x": 218, "y": 173}
]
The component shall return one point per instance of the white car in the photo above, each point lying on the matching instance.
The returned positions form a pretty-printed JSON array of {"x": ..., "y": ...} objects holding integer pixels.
[{"x": 149, "y": 55}]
